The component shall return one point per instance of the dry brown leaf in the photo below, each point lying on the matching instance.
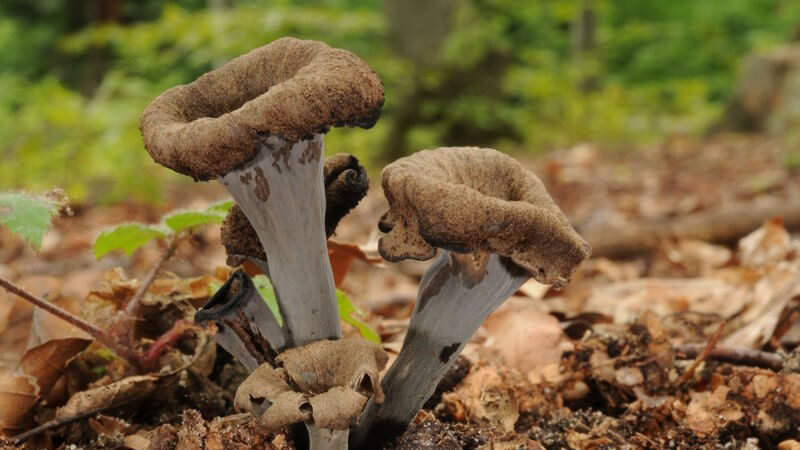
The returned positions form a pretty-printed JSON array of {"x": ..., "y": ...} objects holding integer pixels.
[
  {"x": 110, "y": 426},
  {"x": 119, "y": 393},
  {"x": 523, "y": 338},
  {"x": 47, "y": 362},
  {"x": 342, "y": 255},
  {"x": 767, "y": 245},
  {"x": 710, "y": 411},
  {"x": 18, "y": 397},
  {"x": 770, "y": 297},
  {"x": 137, "y": 442},
  {"x": 487, "y": 398},
  {"x": 626, "y": 301},
  {"x": 46, "y": 327},
  {"x": 790, "y": 444}
]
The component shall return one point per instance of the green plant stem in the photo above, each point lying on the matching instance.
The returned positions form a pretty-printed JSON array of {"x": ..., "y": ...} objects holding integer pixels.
[
  {"x": 132, "y": 307},
  {"x": 126, "y": 353}
]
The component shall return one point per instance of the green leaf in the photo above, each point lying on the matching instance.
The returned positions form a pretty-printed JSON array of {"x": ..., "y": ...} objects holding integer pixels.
[
  {"x": 265, "y": 289},
  {"x": 180, "y": 221},
  {"x": 27, "y": 215},
  {"x": 127, "y": 237},
  {"x": 348, "y": 311},
  {"x": 222, "y": 207}
]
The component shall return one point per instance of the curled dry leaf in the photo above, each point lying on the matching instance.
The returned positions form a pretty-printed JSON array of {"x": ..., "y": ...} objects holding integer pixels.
[
  {"x": 119, "y": 393},
  {"x": 334, "y": 381},
  {"x": 46, "y": 363},
  {"x": 18, "y": 398},
  {"x": 486, "y": 397}
]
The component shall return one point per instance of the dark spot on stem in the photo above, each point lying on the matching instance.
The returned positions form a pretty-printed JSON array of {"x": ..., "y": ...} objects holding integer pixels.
[
  {"x": 448, "y": 351},
  {"x": 262, "y": 186}
]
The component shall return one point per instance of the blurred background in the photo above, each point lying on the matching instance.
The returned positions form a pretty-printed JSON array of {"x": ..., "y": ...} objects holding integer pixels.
[{"x": 523, "y": 76}]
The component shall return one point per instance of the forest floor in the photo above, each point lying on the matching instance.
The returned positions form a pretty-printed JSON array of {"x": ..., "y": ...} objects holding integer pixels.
[{"x": 686, "y": 343}]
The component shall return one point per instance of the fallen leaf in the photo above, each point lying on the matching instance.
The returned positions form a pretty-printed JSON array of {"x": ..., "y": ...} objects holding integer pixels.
[
  {"x": 119, "y": 393},
  {"x": 342, "y": 255},
  {"x": 767, "y": 245},
  {"x": 523, "y": 338},
  {"x": 18, "y": 398},
  {"x": 47, "y": 362},
  {"x": 487, "y": 398},
  {"x": 710, "y": 411}
]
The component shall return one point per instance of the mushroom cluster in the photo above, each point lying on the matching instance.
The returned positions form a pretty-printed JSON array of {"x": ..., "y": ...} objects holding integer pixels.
[{"x": 256, "y": 124}]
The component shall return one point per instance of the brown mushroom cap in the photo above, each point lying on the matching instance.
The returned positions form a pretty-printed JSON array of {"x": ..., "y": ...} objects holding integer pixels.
[
  {"x": 469, "y": 199},
  {"x": 346, "y": 183},
  {"x": 289, "y": 88}
]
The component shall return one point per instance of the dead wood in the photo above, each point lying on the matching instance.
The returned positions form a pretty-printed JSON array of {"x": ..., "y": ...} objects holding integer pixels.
[{"x": 723, "y": 226}]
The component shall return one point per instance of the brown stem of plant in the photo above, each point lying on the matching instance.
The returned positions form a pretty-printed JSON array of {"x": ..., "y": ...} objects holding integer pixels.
[
  {"x": 133, "y": 305},
  {"x": 165, "y": 340},
  {"x": 55, "y": 423},
  {"x": 742, "y": 356},
  {"x": 701, "y": 356},
  {"x": 126, "y": 353}
]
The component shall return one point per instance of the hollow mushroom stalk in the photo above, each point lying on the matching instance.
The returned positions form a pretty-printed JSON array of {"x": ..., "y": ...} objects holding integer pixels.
[
  {"x": 257, "y": 125},
  {"x": 497, "y": 227}
]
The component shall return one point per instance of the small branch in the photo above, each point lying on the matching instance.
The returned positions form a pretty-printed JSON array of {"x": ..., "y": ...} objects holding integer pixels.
[
  {"x": 133, "y": 305},
  {"x": 742, "y": 356},
  {"x": 55, "y": 423},
  {"x": 710, "y": 345},
  {"x": 165, "y": 340},
  {"x": 101, "y": 336}
]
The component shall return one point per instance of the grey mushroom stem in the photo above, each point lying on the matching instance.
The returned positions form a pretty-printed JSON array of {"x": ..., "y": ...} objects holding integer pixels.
[
  {"x": 282, "y": 194},
  {"x": 456, "y": 295}
]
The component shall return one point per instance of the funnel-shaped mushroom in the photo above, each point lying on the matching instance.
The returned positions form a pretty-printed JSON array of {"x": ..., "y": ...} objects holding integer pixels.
[
  {"x": 257, "y": 125},
  {"x": 498, "y": 226}
]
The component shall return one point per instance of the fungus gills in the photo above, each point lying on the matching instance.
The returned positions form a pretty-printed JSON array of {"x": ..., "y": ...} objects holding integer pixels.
[
  {"x": 282, "y": 194},
  {"x": 498, "y": 226}
]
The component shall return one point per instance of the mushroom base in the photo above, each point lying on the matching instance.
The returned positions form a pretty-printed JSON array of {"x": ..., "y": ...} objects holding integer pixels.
[
  {"x": 456, "y": 295},
  {"x": 281, "y": 192}
]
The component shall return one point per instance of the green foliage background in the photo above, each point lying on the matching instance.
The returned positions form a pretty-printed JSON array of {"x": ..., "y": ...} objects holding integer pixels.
[{"x": 75, "y": 74}]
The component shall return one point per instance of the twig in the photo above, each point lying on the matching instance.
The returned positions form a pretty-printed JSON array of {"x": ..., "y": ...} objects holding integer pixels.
[
  {"x": 743, "y": 356},
  {"x": 55, "y": 423},
  {"x": 133, "y": 305},
  {"x": 165, "y": 340},
  {"x": 128, "y": 354},
  {"x": 712, "y": 342}
]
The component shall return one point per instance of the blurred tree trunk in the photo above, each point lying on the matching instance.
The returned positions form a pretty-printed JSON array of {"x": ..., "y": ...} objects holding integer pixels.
[
  {"x": 417, "y": 31},
  {"x": 584, "y": 42}
]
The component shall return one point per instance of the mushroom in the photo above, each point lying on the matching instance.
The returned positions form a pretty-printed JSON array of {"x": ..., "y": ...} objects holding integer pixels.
[
  {"x": 257, "y": 125},
  {"x": 497, "y": 226},
  {"x": 246, "y": 327},
  {"x": 346, "y": 183},
  {"x": 326, "y": 383}
]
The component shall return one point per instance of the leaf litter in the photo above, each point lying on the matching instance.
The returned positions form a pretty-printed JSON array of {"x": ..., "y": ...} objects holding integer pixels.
[{"x": 619, "y": 359}]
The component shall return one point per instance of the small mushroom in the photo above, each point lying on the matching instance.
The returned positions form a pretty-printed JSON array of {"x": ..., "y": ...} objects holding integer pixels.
[
  {"x": 257, "y": 125},
  {"x": 246, "y": 327},
  {"x": 346, "y": 183},
  {"x": 497, "y": 226},
  {"x": 325, "y": 383}
]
